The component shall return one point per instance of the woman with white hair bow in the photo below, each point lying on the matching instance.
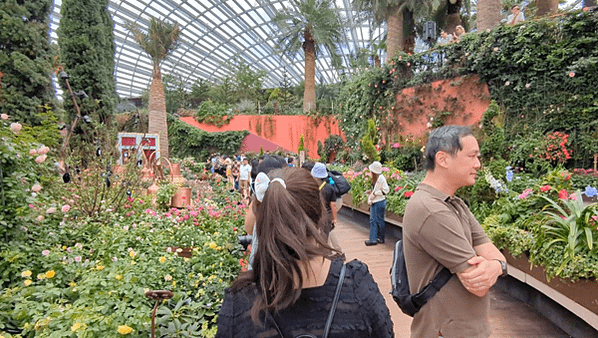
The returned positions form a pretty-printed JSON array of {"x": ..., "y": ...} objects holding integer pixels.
[{"x": 294, "y": 288}]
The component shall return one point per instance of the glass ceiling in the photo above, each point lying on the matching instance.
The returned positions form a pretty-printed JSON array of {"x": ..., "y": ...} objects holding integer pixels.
[{"x": 212, "y": 33}]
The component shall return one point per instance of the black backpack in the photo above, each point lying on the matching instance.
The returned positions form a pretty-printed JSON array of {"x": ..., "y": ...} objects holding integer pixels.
[
  {"x": 338, "y": 182},
  {"x": 411, "y": 304}
]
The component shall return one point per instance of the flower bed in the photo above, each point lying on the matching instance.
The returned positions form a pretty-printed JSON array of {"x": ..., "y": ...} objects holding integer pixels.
[{"x": 77, "y": 258}]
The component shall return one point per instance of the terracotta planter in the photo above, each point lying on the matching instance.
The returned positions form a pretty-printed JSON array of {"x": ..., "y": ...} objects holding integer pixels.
[
  {"x": 185, "y": 252},
  {"x": 181, "y": 198}
]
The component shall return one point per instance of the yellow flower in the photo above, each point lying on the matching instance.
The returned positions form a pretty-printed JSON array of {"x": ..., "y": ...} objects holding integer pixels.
[
  {"x": 219, "y": 248},
  {"x": 119, "y": 277},
  {"x": 173, "y": 283},
  {"x": 27, "y": 282},
  {"x": 162, "y": 259},
  {"x": 26, "y": 273},
  {"x": 132, "y": 253},
  {"x": 64, "y": 247},
  {"x": 41, "y": 276},
  {"x": 50, "y": 274},
  {"x": 132, "y": 262},
  {"x": 124, "y": 329},
  {"x": 72, "y": 284},
  {"x": 212, "y": 245},
  {"x": 76, "y": 327},
  {"x": 100, "y": 267}
]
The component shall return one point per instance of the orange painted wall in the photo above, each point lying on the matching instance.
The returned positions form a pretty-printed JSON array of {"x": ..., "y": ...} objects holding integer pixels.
[
  {"x": 467, "y": 98},
  {"x": 284, "y": 130}
]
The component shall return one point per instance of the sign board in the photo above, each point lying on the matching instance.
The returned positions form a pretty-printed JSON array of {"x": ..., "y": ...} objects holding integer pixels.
[{"x": 129, "y": 143}]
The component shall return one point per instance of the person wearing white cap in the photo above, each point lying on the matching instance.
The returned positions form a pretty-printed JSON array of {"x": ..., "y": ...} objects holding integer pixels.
[
  {"x": 377, "y": 202},
  {"x": 328, "y": 194}
]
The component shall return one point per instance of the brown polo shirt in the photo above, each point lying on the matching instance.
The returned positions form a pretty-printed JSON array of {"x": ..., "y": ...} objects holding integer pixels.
[{"x": 439, "y": 230}]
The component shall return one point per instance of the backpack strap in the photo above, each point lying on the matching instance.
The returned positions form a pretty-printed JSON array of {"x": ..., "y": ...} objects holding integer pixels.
[
  {"x": 430, "y": 290},
  {"x": 337, "y": 293},
  {"x": 339, "y": 286},
  {"x": 322, "y": 185}
]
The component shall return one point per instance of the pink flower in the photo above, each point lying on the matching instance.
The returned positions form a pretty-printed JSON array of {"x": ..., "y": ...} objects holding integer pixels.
[
  {"x": 51, "y": 210},
  {"x": 496, "y": 49},
  {"x": 65, "y": 208},
  {"x": 43, "y": 150},
  {"x": 396, "y": 145},
  {"x": 408, "y": 194},
  {"x": 4, "y": 116},
  {"x": 573, "y": 197},
  {"x": 15, "y": 127},
  {"x": 545, "y": 188},
  {"x": 507, "y": 83},
  {"x": 45, "y": 252},
  {"x": 39, "y": 218},
  {"x": 525, "y": 193},
  {"x": 78, "y": 259},
  {"x": 428, "y": 125},
  {"x": 563, "y": 194},
  {"x": 527, "y": 85},
  {"x": 32, "y": 152},
  {"x": 36, "y": 187},
  {"x": 385, "y": 169},
  {"x": 398, "y": 188},
  {"x": 114, "y": 259},
  {"x": 572, "y": 74},
  {"x": 40, "y": 159},
  {"x": 126, "y": 228}
]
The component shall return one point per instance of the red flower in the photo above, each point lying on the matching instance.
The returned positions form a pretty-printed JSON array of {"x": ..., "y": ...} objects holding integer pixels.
[
  {"x": 408, "y": 194},
  {"x": 563, "y": 194},
  {"x": 545, "y": 188}
]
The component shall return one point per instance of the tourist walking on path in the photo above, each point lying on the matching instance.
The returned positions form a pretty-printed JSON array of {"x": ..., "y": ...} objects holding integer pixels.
[
  {"x": 439, "y": 231},
  {"x": 377, "y": 202},
  {"x": 292, "y": 289}
]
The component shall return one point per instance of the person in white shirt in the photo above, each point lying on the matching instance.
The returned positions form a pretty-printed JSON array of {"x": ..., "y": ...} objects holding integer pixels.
[
  {"x": 244, "y": 175},
  {"x": 516, "y": 16},
  {"x": 377, "y": 202}
]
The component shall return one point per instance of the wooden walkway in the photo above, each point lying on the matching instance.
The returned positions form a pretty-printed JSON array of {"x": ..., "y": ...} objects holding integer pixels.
[{"x": 509, "y": 317}]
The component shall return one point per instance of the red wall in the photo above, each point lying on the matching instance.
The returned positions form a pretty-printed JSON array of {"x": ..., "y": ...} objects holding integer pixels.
[
  {"x": 284, "y": 130},
  {"x": 467, "y": 98}
]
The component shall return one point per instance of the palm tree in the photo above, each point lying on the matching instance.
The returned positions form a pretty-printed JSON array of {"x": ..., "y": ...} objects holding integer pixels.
[
  {"x": 312, "y": 25},
  {"x": 488, "y": 14},
  {"x": 392, "y": 12},
  {"x": 159, "y": 41}
]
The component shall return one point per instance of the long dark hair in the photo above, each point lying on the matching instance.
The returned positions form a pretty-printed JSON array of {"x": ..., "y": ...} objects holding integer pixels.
[{"x": 289, "y": 227}]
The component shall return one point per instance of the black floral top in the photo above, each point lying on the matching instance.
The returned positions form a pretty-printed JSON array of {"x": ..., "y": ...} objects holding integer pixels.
[{"x": 361, "y": 311}]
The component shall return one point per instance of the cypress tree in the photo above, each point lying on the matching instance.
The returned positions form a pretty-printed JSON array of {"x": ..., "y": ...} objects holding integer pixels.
[
  {"x": 86, "y": 41},
  {"x": 25, "y": 59}
]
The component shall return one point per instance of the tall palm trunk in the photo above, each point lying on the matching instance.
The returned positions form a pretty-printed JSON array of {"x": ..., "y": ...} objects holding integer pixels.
[
  {"x": 309, "y": 95},
  {"x": 157, "y": 111},
  {"x": 488, "y": 14},
  {"x": 395, "y": 38},
  {"x": 547, "y": 7}
]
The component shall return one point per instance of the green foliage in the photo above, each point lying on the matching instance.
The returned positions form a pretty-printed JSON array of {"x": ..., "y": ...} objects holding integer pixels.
[
  {"x": 87, "y": 49},
  {"x": 301, "y": 145},
  {"x": 369, "y": 139},
  {"x": 261, "y": 150},
  {"x": 187, "y": 141},
  {"x": 164, "y": 195},
  {"x": 214, "y": 113},
  {"x": 245, "y": 107},
  {"x": 322, "y": 153},
  {"x": 541, "y": 75},
  {"x": 25, "y": 59},
  {"x": 407, "y": 155}
]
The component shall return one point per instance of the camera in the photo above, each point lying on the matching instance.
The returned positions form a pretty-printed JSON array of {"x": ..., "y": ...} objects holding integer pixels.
[{"x": 245, "y": 240}]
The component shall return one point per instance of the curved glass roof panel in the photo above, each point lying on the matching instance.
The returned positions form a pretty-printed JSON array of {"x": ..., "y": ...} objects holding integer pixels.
[{"x": 213, "y": 32}]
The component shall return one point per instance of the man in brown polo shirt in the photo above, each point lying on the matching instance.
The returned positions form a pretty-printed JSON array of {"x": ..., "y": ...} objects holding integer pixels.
[{"x": 440, "y": 231}]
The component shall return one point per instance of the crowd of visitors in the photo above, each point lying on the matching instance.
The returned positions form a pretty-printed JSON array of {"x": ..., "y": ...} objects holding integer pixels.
[{"x": 298, "y": 284}]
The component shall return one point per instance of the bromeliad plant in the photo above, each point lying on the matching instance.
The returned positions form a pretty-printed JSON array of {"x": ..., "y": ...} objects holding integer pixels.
[{"x": 572, "y": 223}]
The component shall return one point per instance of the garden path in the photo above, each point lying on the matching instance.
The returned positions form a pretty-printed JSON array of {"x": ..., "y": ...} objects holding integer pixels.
[{"x": 509, "y": 318}]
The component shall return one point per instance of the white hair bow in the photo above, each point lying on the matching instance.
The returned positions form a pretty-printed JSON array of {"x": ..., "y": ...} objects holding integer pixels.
[{"x": 262, "y": 181}]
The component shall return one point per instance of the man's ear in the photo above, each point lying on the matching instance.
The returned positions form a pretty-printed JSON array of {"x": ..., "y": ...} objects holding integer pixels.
[{"x": 441, "y": 159}]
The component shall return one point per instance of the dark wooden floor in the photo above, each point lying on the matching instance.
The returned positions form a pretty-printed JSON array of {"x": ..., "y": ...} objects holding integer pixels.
[{"x": 509, "y": 318}]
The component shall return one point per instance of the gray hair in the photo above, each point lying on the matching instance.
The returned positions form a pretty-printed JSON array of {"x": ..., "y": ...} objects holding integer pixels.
[{"x": 446, "y": 139}]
